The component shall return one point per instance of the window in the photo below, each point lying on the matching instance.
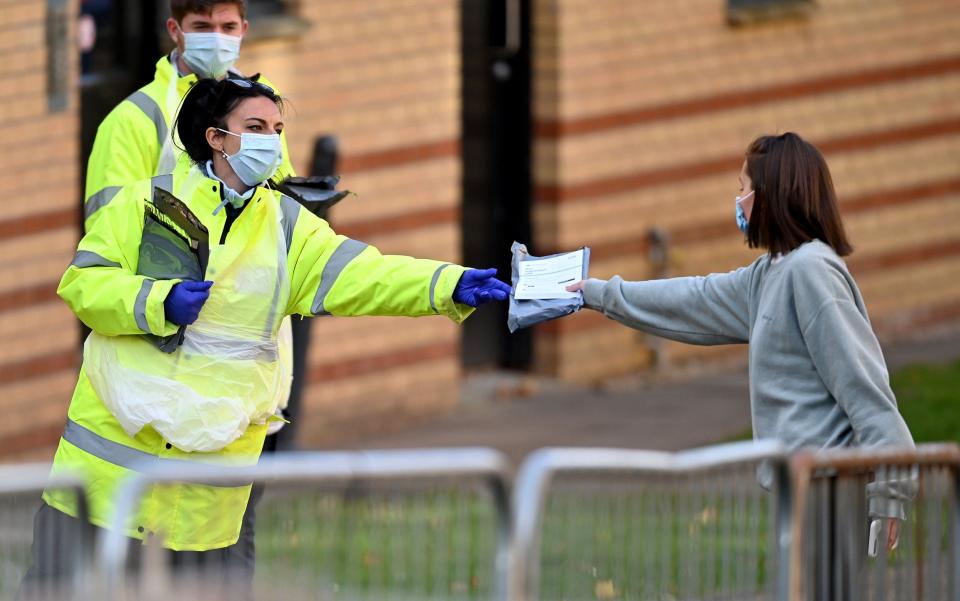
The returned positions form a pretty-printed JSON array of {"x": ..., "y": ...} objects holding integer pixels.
[
  {"x": 261, "y": 8},
  {"x": 58, "y": 55},
  {"x": 742, "y": 12},
  {"x": 274, "y": 19}
]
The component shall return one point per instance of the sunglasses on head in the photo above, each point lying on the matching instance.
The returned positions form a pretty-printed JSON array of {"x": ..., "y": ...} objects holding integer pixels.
[{"x": 247, "y": 83}]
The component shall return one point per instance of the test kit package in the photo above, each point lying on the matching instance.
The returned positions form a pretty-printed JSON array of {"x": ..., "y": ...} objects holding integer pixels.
[{"x": 539, "y": 285}]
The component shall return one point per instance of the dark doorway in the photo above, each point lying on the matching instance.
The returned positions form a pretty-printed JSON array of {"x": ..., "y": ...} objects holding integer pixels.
[
  {"x": 496, "y": 164},
  {"x": 127, "y": 46}
]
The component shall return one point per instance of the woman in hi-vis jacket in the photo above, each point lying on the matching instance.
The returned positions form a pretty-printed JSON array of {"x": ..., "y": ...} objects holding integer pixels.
[{"x": 185, "y": 369}]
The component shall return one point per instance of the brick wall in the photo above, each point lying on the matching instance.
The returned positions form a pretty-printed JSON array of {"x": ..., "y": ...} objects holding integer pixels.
[
  {"x": 40, "y": 187},
  {"x": 643, "y": 110}
]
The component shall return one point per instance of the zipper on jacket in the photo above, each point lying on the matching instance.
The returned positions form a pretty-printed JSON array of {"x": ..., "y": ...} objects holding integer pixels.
[{"x": 232, "y": 214}]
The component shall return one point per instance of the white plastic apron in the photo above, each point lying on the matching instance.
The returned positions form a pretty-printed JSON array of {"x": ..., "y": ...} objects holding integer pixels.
[{"x": 228, "y": 373}]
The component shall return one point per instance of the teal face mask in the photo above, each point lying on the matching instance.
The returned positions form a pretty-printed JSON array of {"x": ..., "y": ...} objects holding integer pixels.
[{"x": 743, "y": 224}]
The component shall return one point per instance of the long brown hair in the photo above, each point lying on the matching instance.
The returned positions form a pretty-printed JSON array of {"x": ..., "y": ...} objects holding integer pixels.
[{"x": 794, "y": 199}]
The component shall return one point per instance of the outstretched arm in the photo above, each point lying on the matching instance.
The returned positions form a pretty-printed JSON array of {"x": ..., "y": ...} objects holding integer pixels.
[
  {"x": 335, "y": 275},
  {"x": 697, "y": 310}
]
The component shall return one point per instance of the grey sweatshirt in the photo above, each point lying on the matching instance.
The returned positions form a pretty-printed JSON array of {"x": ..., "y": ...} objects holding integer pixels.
[{"x": 817, "y": 375}]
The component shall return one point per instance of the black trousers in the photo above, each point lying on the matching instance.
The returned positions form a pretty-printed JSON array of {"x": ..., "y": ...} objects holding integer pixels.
[
  {"x": 61, "y": 549},
  {"x": 242, "y": 556}
]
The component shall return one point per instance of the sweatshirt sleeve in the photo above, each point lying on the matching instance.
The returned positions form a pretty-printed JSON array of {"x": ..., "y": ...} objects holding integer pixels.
[
  {"x": 850, "y": 363},
  {"x": 697, "y": 310}
]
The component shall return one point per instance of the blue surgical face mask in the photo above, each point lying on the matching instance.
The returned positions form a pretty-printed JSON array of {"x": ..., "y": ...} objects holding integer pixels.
[
  {"x": 743, "y": 224},
  {"x": 258, "y": 159},
  {"x": 210, "y": 54}
]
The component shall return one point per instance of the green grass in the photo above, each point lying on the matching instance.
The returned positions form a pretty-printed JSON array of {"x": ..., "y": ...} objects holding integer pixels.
[
  {"x": 641, "y": 544},
  {"x": 597, "y": 543},
  {"x": 432, "y": 545},
  {"x": 929, "y": 400}
]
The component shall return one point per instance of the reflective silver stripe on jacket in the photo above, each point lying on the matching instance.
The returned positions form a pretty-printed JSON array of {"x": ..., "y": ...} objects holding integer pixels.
[
  {"x": 118, "y": 454},
  {"x": 140, "y": 306},
  {"x": 102, "y": 198},
  {"x": 433, "y": 285},
  {"x": 290, "y": 211},
  {"x": 98, "y": 200},
  {"x": 151, "y": 109},
  {"x": 164, "y": 182},
  {"x": 86, "y": 258},
  {"x": 345, "y": 253}
]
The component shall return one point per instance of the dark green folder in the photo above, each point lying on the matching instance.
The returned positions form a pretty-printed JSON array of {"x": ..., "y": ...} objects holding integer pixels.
[{"x": 174, "y": 245}]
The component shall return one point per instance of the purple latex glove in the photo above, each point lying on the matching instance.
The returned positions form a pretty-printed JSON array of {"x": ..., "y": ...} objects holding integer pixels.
[
  {"x": 478, "y": 286},
  {"x": 182, "y": 306}
]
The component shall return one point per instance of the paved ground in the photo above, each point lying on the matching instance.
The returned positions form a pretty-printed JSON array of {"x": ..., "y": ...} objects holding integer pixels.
[{"x": 517, "y": 414}]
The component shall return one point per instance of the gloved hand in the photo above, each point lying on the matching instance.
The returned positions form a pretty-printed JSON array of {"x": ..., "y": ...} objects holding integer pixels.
[
  {"x": 478, "y": 286},
  {"x": 182, "y": 306}
]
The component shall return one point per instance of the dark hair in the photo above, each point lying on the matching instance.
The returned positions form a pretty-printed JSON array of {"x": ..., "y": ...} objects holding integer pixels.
[
  {"x": 794, "y": 200},
  {"x": 208, "y": 104},
  {"x": 181, "y": 8}
]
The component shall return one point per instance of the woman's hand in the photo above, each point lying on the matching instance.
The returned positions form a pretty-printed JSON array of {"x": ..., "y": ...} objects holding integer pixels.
[
  {"x": 578, "y": 287},
  {"x": 879, "y": 526},
  {"x": 893, "y": 533}
]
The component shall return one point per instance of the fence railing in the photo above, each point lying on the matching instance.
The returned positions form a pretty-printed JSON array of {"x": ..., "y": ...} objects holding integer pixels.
[
  {"x": 354, "y": 525},
  {"x": 583, "y": 524},
  {"x": 622, "y": 524},
  {"x": 20, "y": 490},
  {"x": 833, "y": 555}
]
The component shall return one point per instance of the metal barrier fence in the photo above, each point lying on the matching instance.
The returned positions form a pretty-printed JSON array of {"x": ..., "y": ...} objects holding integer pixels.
[
  {"x": 587, "y": 524},
  {"x": 622, "y": 524},
  {"x": 830, "y": 558},
  {"x": 366, "y": 525},
  {"x": 20, "y": 489}
]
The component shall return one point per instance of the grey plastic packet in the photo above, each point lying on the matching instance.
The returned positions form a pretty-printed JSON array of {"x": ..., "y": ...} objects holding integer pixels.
[{"x": 524, "y": 313}]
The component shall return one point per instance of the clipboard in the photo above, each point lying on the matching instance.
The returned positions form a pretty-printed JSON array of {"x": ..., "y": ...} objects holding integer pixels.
[{"x": 174, "y": 245}]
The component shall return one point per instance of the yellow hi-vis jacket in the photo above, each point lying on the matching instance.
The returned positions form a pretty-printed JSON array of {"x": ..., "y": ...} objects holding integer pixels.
[
  {"x": 319, "y": 272},
  {"x": 135, "y": 140}
]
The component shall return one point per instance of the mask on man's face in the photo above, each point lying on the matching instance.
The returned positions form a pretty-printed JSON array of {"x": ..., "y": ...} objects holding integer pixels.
[
  {"x": 743, "y": 224},
  {"x": 210, "y": 54}
]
